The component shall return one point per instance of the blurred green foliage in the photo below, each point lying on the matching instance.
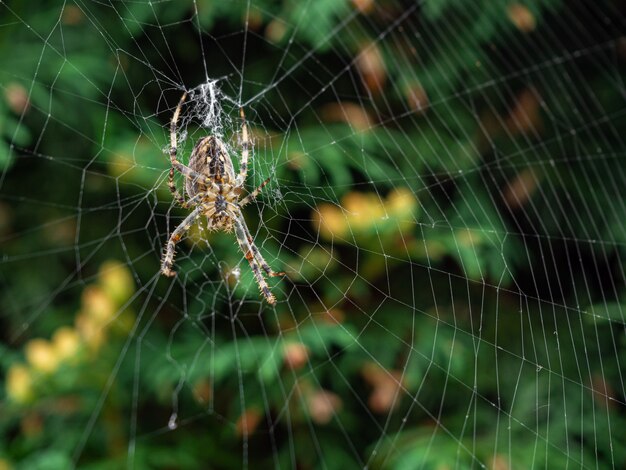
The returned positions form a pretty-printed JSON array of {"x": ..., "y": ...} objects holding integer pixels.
[{"x": 445, "y": 196}]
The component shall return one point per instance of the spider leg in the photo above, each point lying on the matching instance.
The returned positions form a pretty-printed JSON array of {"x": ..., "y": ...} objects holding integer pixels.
[
  {"x": 246, "y": 247},
  {"x": 173, "y": 150},
  {"x": 193, "y": 201},
  {"x": 189, "y": 173},
  {"x": 168, "y": 257},
  {"x": 255, "y": 251},
  {"x": 245, "y": 150},
  {"x": 173, "y": 144},
  {"x": 250, "y": 197},
  {"x": 180, "y": 200},
  {"x": 186, "y": 171}
]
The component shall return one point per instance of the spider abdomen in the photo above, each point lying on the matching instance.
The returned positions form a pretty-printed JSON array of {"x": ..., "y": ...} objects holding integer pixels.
[{"x": 210, "y": 157}]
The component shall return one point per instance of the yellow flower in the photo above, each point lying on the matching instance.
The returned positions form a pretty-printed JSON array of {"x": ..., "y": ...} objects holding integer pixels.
[
  {"x": 116, "y": 281},
  {"x": 401, "y": 202},
  {"x": 90, "y": 331},
  {"x": 98, "y": 305},
  {"x": 363, "y": 209},
  {"x": 330, "y": 221},
  {"x": 66, "y": 343},
  {"x": 41, "y": 355},
  {"x": 19, "y": 385},
  {"x": 361, "y": 213}
]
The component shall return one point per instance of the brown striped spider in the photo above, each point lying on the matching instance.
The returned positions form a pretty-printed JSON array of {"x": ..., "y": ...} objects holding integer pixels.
[{"x": 213, "y": 190}]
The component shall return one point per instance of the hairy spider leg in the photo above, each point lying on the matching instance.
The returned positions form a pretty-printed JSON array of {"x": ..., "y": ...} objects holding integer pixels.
[
  {"x": 184, "y": 170},
  {"x": 178, "y": 198},
  {"x": 255, "y": 251},
  {"x": 173, "y": 151},
  {"x": 177, "y": 235},
  {"x": 194, "y": 200},
  {"x": 246, "y": 247},
  {"x": 189, "y": 173},
  {"x": 245, "y": 150},
  {"x": 250, "y": 197}
]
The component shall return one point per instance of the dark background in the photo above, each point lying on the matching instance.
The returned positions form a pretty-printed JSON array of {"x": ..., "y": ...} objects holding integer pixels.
[{"x": 446, "y": 198}]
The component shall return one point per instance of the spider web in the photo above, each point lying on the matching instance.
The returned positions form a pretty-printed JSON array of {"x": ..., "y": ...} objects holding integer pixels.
[{"x": 445, "y": 197}]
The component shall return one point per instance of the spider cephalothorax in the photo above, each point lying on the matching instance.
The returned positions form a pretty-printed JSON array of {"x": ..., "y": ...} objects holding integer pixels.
[{"x": 213, "y": 189}]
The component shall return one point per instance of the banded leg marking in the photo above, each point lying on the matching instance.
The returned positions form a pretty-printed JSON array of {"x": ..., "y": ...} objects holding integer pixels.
[
  {"x": 244, "y": 244},
  {"x": 250, "y": 197},
  {"x": 245, "y": 150},
  {"x": 177, "y": 235},
  {"x": 257, "y": 254}
]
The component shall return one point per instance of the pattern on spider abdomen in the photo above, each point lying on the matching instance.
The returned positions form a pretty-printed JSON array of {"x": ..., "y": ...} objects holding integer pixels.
[{"x": 209, "y": 158}]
